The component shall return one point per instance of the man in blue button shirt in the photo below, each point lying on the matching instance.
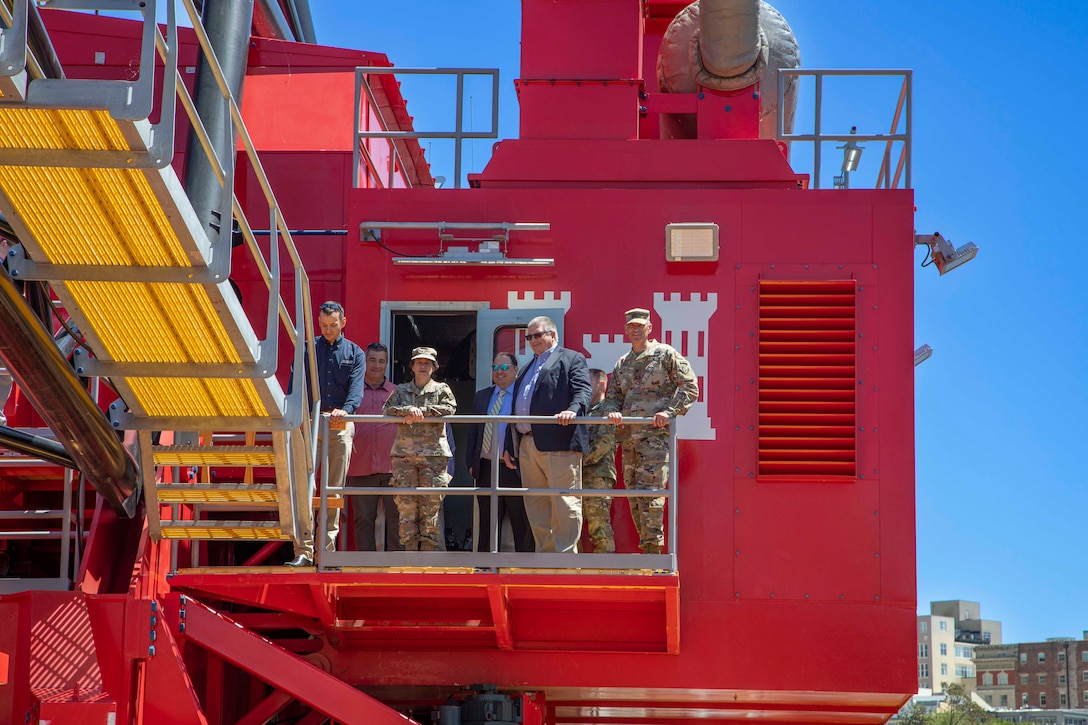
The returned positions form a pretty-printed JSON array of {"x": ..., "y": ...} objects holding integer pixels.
[
  {"x": 555, "y": 383},
  {"x": 341, "y": 365}
]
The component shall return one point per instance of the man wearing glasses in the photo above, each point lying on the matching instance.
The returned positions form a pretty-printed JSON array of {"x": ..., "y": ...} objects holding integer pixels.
[
  {"x": 341, "y": 366},
  {"x": 485, "y": 445},
  {"x": 555, "y": 383}
]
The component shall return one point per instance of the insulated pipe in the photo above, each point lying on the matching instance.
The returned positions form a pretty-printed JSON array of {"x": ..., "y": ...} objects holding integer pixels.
[
  {"x": 32, "y": 445},
  {"x": 731, "y": 44},
  {"x": 228, "y": 24},
  {"x": 55, "y": 391}
]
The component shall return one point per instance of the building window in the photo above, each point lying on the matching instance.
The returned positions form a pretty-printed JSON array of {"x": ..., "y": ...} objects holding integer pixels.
[
  {"x": 989, "y": 699},
  {"x": 944, "y": 648},
  {"x": 1004, "y": 701},
  {"x": 1084, "y": 675},
  {"x": 1061, "y": 657},
  {"x": 987, "y": 679},
  {"x": 944, "y": 668},
  {"x": 1023, "y": 658},
  {"x": 965, "y": 671},
  {"x": 967, "y": 615},
  {"x": 1042, "y": 679},
  {"x": 1023, "y": 679},
  {"x": 1061, "y": 679},
  {"x": 1024, "y": 699},
  {"x": 1042, "y": 699},
  {"x": 1002, "y": 678},
  {"x": 923, "y": 650},
  {"x": 1042, "y": 657},
  {"x": 942, "y": 625},
  {"x": 923, "y": 670},
  {"x": 965, "y": 652},
  {"x": 923, "y": 627},
  {"x": 1061, "y": 699},
  {"x": 1084, "y": 656}
]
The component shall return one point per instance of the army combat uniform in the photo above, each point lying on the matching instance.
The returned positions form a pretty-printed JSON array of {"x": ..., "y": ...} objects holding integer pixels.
[
  {"x": 420, "y": 455},
  {"x": 657, "y": 379},
  {"x": 599, "y": 471}
]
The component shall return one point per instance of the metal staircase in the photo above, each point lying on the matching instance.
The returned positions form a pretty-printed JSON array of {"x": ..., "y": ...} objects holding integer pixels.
[{"x": 86, "y": 182}]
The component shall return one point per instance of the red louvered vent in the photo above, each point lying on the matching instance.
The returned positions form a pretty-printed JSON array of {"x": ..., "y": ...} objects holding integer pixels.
[{"x": 807, "y": 379}]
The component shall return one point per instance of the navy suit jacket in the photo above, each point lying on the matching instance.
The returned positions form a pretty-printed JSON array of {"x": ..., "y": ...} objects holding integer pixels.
[{"x": 563, "y": 385}]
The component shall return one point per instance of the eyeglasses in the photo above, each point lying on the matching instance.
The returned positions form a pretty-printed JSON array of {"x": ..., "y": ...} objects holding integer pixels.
[
  {"x": 537, "y": 335},
  {"x": 331, "y": 307},
  {"x": 504, "y": 367}
]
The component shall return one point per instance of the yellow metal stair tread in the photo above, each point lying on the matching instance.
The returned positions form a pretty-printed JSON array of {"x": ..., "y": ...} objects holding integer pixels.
[
  {"x": 221, "y": 456},
  {"x": 250, "y": 530}
]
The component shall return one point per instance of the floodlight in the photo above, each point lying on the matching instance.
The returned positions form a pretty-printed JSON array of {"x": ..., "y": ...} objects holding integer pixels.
[
  {"x": 943, "y": 254},
  {"x": 851, "y": 153},
  {"x": 922, "y": 354},
  {"x": 691, "y": 242}
]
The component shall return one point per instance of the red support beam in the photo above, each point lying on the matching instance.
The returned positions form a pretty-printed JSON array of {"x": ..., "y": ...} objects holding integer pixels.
[
  {"x": 266, "y": 709},
  {"x": 281, "y": 669}
]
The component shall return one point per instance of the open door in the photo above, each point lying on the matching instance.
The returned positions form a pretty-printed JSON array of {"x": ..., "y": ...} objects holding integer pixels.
[{"x": 504, "y": 331}]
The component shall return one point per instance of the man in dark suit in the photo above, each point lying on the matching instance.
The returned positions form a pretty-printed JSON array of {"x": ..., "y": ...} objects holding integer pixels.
[
  {"x": 555, "y": 383},
  {"x": 496, "y": 400}
]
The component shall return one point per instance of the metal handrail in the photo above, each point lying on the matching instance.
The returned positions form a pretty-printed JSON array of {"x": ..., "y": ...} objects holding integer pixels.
[
  {"x": 458, "y": 134},
  {"x": 495, "y": 559},
  {"x": 904, "y": 108}
]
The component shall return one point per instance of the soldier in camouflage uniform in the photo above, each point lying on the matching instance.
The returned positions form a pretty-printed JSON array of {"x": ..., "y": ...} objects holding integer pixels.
[
  {"x": 599, "y": 470},
  {"x": 420, "y": 451},
  {"x": 652, "y": 380}
]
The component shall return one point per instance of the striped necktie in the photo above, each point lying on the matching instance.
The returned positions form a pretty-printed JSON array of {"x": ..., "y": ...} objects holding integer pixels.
[{"x": 485, "y": 447}]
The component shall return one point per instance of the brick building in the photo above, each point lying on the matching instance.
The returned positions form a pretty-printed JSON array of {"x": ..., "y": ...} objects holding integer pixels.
[{"x": 1051, "y": 674}]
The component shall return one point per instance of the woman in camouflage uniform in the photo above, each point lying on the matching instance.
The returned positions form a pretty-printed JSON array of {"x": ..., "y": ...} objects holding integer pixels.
[{"x": 420, "y": 451}]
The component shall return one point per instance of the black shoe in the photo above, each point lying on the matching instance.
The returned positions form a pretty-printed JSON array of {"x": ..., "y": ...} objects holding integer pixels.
[{"x": 300, "y": 560}]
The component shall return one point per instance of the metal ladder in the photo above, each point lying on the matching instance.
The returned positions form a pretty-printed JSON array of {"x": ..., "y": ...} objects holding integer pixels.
[{"x": 86, "y": 182}]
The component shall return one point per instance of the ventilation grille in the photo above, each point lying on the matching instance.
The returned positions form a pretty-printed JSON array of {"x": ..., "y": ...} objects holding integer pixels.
[{"x": 807, "y": 379}]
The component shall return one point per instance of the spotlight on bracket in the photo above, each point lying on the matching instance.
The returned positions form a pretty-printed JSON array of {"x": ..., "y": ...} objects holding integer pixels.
[
  {"x": 922, "y": 354},
  {"x": 943, "y": 254}
]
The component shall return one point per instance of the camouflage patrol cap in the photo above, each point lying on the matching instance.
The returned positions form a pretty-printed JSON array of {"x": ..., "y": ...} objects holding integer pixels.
[
  {"x": 638, "y": 316},
  {"x": 427, "y": 353}
]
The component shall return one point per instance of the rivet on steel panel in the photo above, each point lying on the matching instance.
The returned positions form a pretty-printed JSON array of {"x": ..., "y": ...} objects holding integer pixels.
[{"x": 151, "y": 650}]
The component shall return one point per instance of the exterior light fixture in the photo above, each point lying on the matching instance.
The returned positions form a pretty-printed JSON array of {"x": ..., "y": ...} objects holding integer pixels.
[
  {"x": 691, "y": 242},
  {"x": 851, "y": 153},
  {"x": 851, "y": 157},
  {"x": 922, "y": 354},
  {"x": 943, "y": 254},
  {"x": 477, "y": 251}
]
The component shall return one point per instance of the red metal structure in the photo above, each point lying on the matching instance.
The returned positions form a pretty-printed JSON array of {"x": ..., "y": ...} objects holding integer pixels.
[{"x": 791, "y": 593}]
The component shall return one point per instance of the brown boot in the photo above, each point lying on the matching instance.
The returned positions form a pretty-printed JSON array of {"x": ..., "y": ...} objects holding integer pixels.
[{"x": 651, "y": 548}]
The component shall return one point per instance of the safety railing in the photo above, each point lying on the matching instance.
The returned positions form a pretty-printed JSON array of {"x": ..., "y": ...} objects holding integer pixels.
[
  {"x": 298, "y": 330},
  {"x": 903, "y": 114},
  {"x": 495, "y": 559},
  {"x": 362, "y": 87}
]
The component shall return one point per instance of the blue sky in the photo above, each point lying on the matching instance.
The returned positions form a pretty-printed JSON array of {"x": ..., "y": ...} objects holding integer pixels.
[{"x": 999, "y": 91}]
